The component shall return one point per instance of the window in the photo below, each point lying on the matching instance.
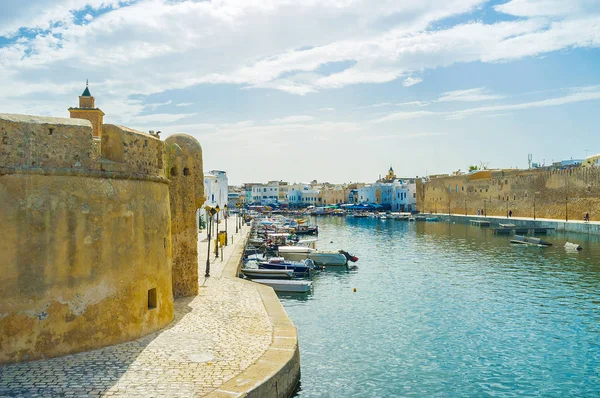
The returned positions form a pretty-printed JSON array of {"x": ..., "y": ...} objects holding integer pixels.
[
  {"x": 152, "y": 298},
  {"x": 174, "y": 171},
  {"x": 186, "y": 171}
]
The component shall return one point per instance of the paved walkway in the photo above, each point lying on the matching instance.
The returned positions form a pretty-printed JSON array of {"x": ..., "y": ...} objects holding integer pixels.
[{"x": 214, "y": 337}]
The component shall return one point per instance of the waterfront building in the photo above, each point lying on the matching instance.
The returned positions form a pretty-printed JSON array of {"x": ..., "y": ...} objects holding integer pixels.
[
  {"x": 591, "y": 161},
  {"x": 216, "y": 189}
]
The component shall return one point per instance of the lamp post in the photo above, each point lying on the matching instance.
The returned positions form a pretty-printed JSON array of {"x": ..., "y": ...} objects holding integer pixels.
[
  {"x": 217, "y": 245},
  {"x": 465, "y": 207},
  {"x": 534, "y": 207},
  {"x": 484, "y": 208},
  {"x": 237, "y": 217},
  {"x": 507, "y": 207},
  {"x": 567, "y": 199},
  {"x": 210, "y": 212},
  {"x": 225, "y": 217}
]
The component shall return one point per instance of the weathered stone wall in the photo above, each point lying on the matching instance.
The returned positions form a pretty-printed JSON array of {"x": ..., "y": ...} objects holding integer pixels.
[
  {"x": 555, "y": 193},
  {"x": 84, "y": 242},
  {"x": 187, "y": 195}
]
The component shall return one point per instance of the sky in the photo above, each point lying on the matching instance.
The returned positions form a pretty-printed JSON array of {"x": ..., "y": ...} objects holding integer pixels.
[{"x": 336, "y": 90}]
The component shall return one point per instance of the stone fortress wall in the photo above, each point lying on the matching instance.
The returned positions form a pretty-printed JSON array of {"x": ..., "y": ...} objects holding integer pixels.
[
  {"x": 187, "y": 195},
  {"x": 555, "y": 193},
  {"x": 86, "y": 254}
]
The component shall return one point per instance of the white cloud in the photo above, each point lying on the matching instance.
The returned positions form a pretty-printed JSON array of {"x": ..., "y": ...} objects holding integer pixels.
[
  {"x": 411, "y": 81},
  {"x": 293, "y": 119},
  {"x": 325, "y": 109},
  {"x": 403, "y": 116},
  {"x": 413, "y": 103},
  {"x": 579, "y": 94},
  {"x": 185, "y": 104},
  {"x": 378, "y": 105},
  {"x": 536, "y": 8},
  {"x": 153, "y": 46},
  {"x": 158, "y": 118},
  {"x": 471, "y": 95},
  {"x": 154, "y": 106},
  {"x": 591, "y": 93}
]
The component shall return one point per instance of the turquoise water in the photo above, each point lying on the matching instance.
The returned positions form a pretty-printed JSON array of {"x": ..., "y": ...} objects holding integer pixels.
[{"x": 449, "y": 310}]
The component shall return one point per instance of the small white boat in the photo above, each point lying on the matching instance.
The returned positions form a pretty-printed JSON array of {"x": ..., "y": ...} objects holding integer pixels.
[
  {"x": 280, "y": 285},
  {"x": 572, "y": 246},
  {"x": 299, "y": 253}
]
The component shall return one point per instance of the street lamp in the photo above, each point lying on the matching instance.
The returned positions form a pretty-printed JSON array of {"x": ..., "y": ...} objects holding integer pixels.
[
  {"x": 484, "y": 208},
  {"x": 217, "y": 245},
  {"x": 507, "y": 206},
  {"x": 210, "y": 212},
  {"x": 465, "y": 207},
  {"x": 225, "y": 216},
  {"x": 237, "y": 217}
]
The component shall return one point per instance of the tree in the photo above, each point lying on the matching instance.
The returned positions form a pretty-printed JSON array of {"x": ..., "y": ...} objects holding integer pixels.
[{"x": 473, "y": 168}]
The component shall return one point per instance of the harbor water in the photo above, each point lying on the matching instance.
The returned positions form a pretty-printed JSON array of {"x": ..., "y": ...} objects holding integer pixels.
[{"x": 449, "y": 310}]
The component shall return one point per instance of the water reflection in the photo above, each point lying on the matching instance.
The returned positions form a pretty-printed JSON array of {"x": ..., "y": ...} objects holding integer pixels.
[{"x": 450, "y": 309}]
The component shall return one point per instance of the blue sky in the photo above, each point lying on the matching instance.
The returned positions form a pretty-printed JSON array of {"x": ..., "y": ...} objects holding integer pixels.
[{"x": 335, "y": 91}]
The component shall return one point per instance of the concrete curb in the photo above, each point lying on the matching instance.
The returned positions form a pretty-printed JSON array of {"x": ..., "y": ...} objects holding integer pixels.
[
  {"x": 577, "y": 226},
  {"x": 277, "y": 372}
]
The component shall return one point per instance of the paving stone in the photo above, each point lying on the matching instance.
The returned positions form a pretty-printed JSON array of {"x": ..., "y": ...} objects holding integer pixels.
[{"x": 214, "y": 337}]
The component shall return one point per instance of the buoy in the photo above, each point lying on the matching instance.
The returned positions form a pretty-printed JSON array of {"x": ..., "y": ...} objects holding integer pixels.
[{"x": 354, "y": 290}]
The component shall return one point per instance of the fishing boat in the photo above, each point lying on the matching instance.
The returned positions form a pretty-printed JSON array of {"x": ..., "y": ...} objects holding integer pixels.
[
  {"x": 253, "y": 273},
  {"x": 526, "y": 240},
  {"x": 326, "y": 258},
  {"x": 280, "y": 285},
  {"x": 299, "y": 268},
  {"x": 306, "y": 230}
]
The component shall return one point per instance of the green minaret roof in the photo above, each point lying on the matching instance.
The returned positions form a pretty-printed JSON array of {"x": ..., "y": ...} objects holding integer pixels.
[{"x": 86, "y": 92}]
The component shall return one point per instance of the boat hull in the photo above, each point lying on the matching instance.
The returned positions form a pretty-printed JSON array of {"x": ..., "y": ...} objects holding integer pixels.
[
  {"x": 326, "y": 259},
  {"x": 286, "y": 286},
  {"x": 268, "y": 273}
]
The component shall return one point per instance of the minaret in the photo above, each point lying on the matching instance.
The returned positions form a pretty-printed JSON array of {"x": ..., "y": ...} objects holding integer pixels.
[{"x": 88, "y": 111}]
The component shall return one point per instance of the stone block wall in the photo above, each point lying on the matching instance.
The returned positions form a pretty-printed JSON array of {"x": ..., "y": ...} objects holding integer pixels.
[
  {"x": 554, "y": 194},
  {"x": 86, "y": 253},
  {"x": 187, "y": 195}
]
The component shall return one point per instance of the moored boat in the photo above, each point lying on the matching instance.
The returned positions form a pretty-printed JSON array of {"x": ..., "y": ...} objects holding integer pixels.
[
  {"x": 298, "y": 253},
  {"x": 267, "y": 273},
  {"x": 280, "y": 285},
  {"x": 299, "y": 268},
  {"x": 526, "y": 240}
]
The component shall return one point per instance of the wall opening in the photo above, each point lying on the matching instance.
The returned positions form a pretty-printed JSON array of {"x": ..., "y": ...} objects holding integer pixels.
[
  {"x": 50, "y": 131},
  {"x": 186, "y": 171},
  {"x": 174, "y": 171},
  {"x": 152, "y": 298}
]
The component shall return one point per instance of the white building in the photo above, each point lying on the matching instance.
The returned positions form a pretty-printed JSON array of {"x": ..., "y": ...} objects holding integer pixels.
[
  {"x": 404, "y": 195},
  {"x": 216, "y": 190},
  {"x": 265, "y": 194}
]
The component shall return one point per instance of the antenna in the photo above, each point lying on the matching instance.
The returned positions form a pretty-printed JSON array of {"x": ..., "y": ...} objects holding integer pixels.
[{"x": 529, "y": 158}]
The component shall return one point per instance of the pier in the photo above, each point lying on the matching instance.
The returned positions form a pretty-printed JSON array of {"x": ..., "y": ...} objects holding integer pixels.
[{"x": 527, "y": 224}]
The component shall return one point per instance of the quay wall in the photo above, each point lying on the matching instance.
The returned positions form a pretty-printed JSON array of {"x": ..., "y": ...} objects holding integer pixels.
[
  {"x": 555, "y": 194},
  {"x": 581, "y": 227},
  {"x": 86, "y": 250},
  {"x": 277, "y": 372}
]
